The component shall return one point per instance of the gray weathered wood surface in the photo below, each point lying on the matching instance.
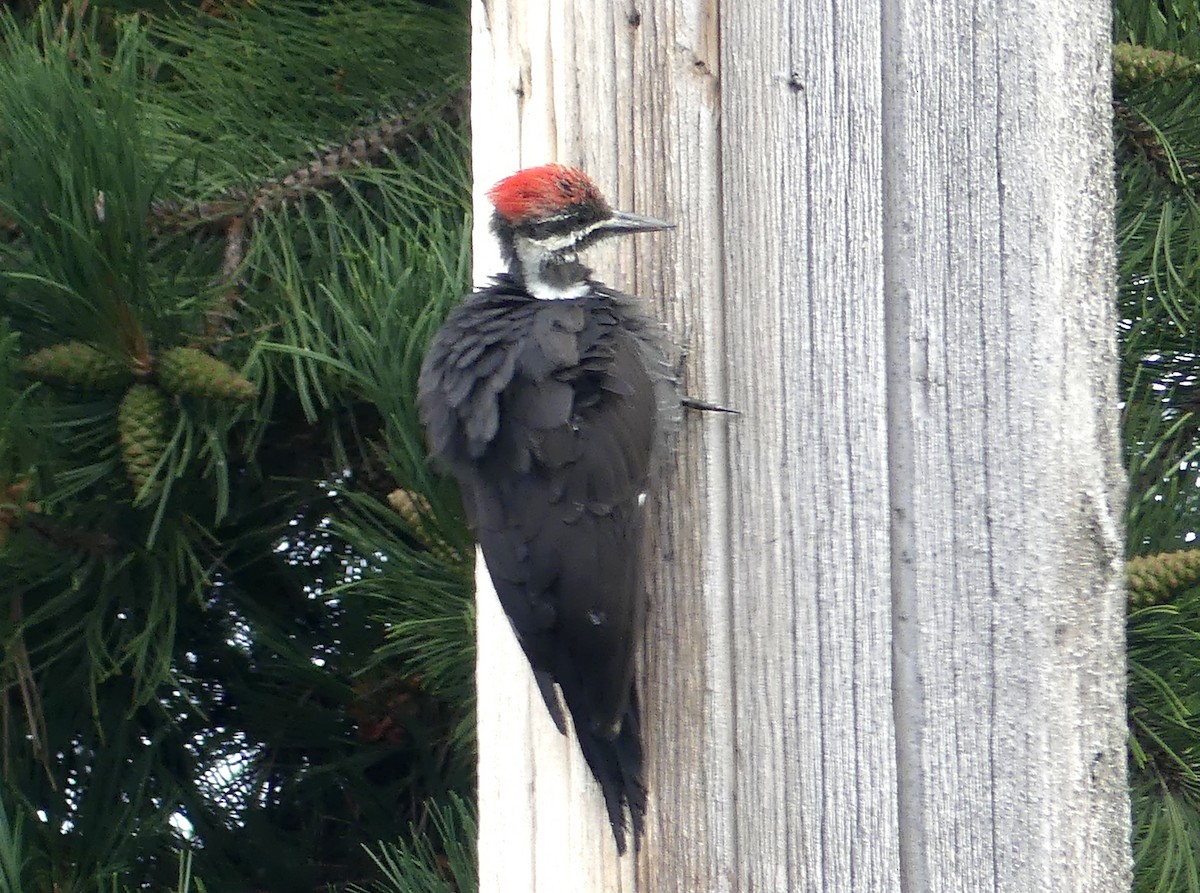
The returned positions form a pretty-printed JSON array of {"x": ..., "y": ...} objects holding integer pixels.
[{"x": 885, "y": 650}]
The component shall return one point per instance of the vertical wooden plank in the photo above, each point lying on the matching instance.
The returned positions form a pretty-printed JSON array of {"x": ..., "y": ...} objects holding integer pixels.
[
  {"x": 541, "y": 827},
  {"x": 689, "y": 679},
  {"x": 586, "y": 84},
  {"x": 889, "y": 592},
  {"x": 1058, "y": 271},
  {"x": 938, "y": 281},
  {"x": 1002, "y": 416},
  {"x": 810, "y": 594}
]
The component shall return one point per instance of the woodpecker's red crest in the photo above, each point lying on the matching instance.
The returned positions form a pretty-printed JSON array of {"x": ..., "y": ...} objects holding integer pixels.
[
  {"x": 538, "y": 192},
  {"x": 551, "y": 399}
]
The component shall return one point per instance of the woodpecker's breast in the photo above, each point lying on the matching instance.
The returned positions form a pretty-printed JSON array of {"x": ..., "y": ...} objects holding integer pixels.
[
  {"x": 552, "y": 414},
  {"x": 510, "y": 378}
]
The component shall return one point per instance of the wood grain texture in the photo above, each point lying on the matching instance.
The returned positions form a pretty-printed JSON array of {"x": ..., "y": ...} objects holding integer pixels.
[
  {"x": 556, "y": 82},
  {"x": 541, "y": 820},
  {"x": 810, "y": 599},
  {"x": 885, "y": 643},
  {"x": 1006, "y": 488},
  {"x": 691, "y": 735}
]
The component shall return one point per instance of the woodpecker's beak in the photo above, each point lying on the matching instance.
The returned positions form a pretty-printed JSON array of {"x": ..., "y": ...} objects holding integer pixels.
[{"x": 624, "y": 222}]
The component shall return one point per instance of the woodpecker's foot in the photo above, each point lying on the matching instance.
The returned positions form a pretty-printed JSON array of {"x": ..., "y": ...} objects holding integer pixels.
[{"x": 705, "y": 406}]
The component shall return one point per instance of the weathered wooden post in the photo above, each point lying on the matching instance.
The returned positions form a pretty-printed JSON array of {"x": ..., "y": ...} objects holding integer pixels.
[{"x": 886, "y": 645}]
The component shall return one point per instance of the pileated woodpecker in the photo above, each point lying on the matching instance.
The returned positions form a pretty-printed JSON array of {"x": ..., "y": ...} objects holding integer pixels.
[{"x": 550, "y": 398}]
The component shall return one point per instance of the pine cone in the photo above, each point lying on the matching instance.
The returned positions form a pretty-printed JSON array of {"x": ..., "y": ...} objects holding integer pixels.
[
  {"x": 1155, "y": 579},
  {"x": 142, "y": 424},
  {"x": 1135, "y": 66},
  {"x": 13, "y": 504},
  {"x": 190, "y": 371},
  {"x": 79, "y": 364},
  {"x": 414, "y": 508}
]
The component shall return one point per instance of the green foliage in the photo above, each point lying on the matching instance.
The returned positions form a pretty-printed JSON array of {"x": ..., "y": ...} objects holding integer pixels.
[
  {"x": 425, "y": 867},
  {"x": 1167, "y": 837},
  {"x": 303, "y": 94},
  {"x": 1164, "y": 24},
  {"x": 12, "y": 854},
  {"x": 224, "y": 636},
  {"x": 1158, "y": 219},
  {"x": 83, "y": 264},
  {"x": 16, "y": 448}
]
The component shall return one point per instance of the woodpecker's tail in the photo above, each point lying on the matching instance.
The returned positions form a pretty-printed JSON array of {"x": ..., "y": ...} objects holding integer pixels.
[{"x": 617, "y": 764}]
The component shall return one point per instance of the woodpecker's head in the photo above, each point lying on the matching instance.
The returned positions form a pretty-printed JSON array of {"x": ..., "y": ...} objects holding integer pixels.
[{"x": 545, "y": 216}]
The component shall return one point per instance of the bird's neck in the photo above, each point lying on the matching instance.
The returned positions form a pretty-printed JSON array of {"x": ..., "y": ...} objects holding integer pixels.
[{"x": 549, "y": 276}]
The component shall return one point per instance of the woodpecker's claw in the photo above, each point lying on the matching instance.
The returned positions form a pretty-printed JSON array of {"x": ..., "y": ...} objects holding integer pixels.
[{"x": 704, "y": 406}]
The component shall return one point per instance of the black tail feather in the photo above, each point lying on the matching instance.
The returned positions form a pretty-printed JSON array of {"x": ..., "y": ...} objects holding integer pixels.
[
  {"x": 617, "y": 764},
  {"x": 632, "y": 762},
  {"x": 545, "y": 684}
]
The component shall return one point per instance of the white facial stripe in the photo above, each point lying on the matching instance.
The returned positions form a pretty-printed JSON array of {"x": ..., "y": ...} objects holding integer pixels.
[{"x": 555, "y": 243}]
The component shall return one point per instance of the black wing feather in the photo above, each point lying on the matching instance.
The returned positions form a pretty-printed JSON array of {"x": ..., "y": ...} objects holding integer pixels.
[{"x": 551, "y": 427}]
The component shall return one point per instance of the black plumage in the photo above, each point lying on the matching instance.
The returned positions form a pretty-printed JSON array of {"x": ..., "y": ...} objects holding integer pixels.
[
  {"x": 549, "y": 398},
  {"x": 552, "y": 415}
]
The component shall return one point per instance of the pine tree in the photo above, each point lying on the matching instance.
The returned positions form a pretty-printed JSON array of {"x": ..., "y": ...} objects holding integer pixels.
[
  {"x": 236, "y": 603},
  {"x": 1156, "y": 88}
]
